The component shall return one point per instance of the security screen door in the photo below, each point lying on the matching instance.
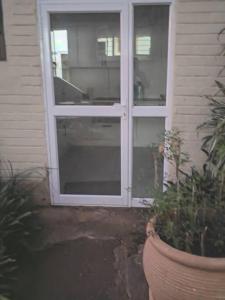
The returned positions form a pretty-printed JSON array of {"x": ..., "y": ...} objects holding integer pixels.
[{"x": 105, "y": 69}]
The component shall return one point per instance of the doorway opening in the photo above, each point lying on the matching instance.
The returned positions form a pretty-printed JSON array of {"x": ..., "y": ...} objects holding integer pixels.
[{"x": 106, "y": 70}]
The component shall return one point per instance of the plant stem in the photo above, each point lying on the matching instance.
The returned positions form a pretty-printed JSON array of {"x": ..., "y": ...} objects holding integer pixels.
[{"x": 203, "y": 234}]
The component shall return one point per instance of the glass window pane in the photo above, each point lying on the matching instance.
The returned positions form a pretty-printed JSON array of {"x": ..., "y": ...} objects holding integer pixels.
[
  {"x": 89, "y": 155},
  {"x": 150, "y": 54},
  {"x": 147, "y": 161},
  {"x": 85, "y": 52}
]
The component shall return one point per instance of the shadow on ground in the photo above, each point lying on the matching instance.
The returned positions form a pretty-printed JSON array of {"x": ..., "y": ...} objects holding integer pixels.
[{"x": 85, "y": 254}]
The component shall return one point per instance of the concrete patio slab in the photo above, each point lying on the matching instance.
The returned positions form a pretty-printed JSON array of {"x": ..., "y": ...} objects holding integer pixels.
[{"x": 85, "y": 254}]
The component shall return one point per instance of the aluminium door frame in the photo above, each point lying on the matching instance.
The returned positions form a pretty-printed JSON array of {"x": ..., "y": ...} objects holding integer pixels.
[
  {"x": 126, "y": 111},
  {"x": 150, "y": 111},
  {"x": 54, "y": 111}
]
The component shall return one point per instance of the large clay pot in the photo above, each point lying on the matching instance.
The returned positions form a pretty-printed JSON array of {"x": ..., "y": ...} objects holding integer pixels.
[{"x": 176, "y": 275}]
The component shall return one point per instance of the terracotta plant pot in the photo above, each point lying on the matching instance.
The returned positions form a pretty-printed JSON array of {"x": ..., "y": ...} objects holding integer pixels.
[{"x": 176, "y": 275}]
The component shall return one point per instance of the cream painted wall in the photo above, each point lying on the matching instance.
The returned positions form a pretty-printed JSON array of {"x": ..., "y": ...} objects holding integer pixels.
[
  {"x": 198, "y": 61},
  {"x": 22, "y": 119}
]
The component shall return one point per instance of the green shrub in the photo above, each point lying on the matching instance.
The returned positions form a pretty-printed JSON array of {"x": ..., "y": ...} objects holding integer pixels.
[
  {"x": 3, "y": 298},
  {"x": 17, "y": 226},
  {"x": 214, "y": 142},
  {"x": 190, "y": 212},
  {"x": 192, "y": 219},
  {"x": 8, "y": 267}
]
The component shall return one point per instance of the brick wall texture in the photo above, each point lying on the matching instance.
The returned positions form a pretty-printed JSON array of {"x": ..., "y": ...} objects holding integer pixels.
[
  {"x": 197, "y": 62},
  {"x": 22, "y": 119}
]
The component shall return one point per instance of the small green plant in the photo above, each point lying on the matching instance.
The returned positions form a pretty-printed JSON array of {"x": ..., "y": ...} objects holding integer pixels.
[
  {"x": 194, "y": 220},
  {"x": 7, "y": 274},
  {"x": 214, "y": 142},
  {"x": 3, "y": 298},
  {"x": 190, "y": 213},
  {"x": 17, "y": 226}
]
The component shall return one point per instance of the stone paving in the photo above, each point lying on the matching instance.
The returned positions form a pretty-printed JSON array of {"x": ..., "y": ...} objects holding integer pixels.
[{"x": 86, "y": 254}]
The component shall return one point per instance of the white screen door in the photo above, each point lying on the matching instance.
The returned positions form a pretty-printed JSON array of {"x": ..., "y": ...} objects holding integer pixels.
[{"x": 105, "y": 71}]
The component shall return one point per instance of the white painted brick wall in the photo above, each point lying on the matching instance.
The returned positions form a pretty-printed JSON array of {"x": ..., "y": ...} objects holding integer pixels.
[
  {"x": 22, "y": 122},
  {"x": 198, "y": 61}
]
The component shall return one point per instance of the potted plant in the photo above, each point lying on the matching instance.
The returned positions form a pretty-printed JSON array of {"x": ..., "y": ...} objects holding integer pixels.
[{"x": 184, "y": 254}]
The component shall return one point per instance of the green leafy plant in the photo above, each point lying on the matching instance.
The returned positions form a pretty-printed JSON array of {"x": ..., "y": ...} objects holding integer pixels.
[
  {"x": 190, "y": 213},
  {"x": 3, "y": 298},
  {"x": 18, "y": 223},
  {"x": 8, "y": 267},
  {"x": 214, "y": 143}
]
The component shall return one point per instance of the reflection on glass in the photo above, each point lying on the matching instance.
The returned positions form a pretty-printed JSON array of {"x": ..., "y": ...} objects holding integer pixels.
[
  {"x": 147, "y": 162},
  {"x": 109, "y": 46},
  {"x": 89, "y": 155},
  {"x": 150, "y": 54},
  {"x": 59, "y": 43},
  {"x": 85, "y": 52},
  {"x": 143, "y": 45}
]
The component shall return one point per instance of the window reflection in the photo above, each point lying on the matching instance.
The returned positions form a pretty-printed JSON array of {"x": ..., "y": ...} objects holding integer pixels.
[
  {"x": 89, "y": 155},
  {"x": 86, "y": 58},
  {"x": 109, "y": 46},
  {"x": 59, "y": 42},
  {"x": 143, "y": 45},
  {"x": 147, "y": 161},
  {"x": 150, "y": 54}
]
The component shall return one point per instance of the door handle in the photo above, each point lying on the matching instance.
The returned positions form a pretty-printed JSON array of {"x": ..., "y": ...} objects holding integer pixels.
[{"x": 122, "y": 108}]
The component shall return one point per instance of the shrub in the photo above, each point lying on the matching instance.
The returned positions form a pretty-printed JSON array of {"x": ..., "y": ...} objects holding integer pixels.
[
  {"x": 7, "y": 274},
  {"x": 190, "y": 213},
  {"x": 192, "y": 219},
  {"x": 17, "y": 226}
]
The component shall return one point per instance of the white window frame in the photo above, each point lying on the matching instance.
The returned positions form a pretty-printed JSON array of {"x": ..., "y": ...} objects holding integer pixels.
[
  {"x": 150, "y": 111},
  {"x": 124, "y": 110}
]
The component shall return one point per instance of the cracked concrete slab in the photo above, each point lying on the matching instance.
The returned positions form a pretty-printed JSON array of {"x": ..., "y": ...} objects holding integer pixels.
[{"x": 85, "y": 254}]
